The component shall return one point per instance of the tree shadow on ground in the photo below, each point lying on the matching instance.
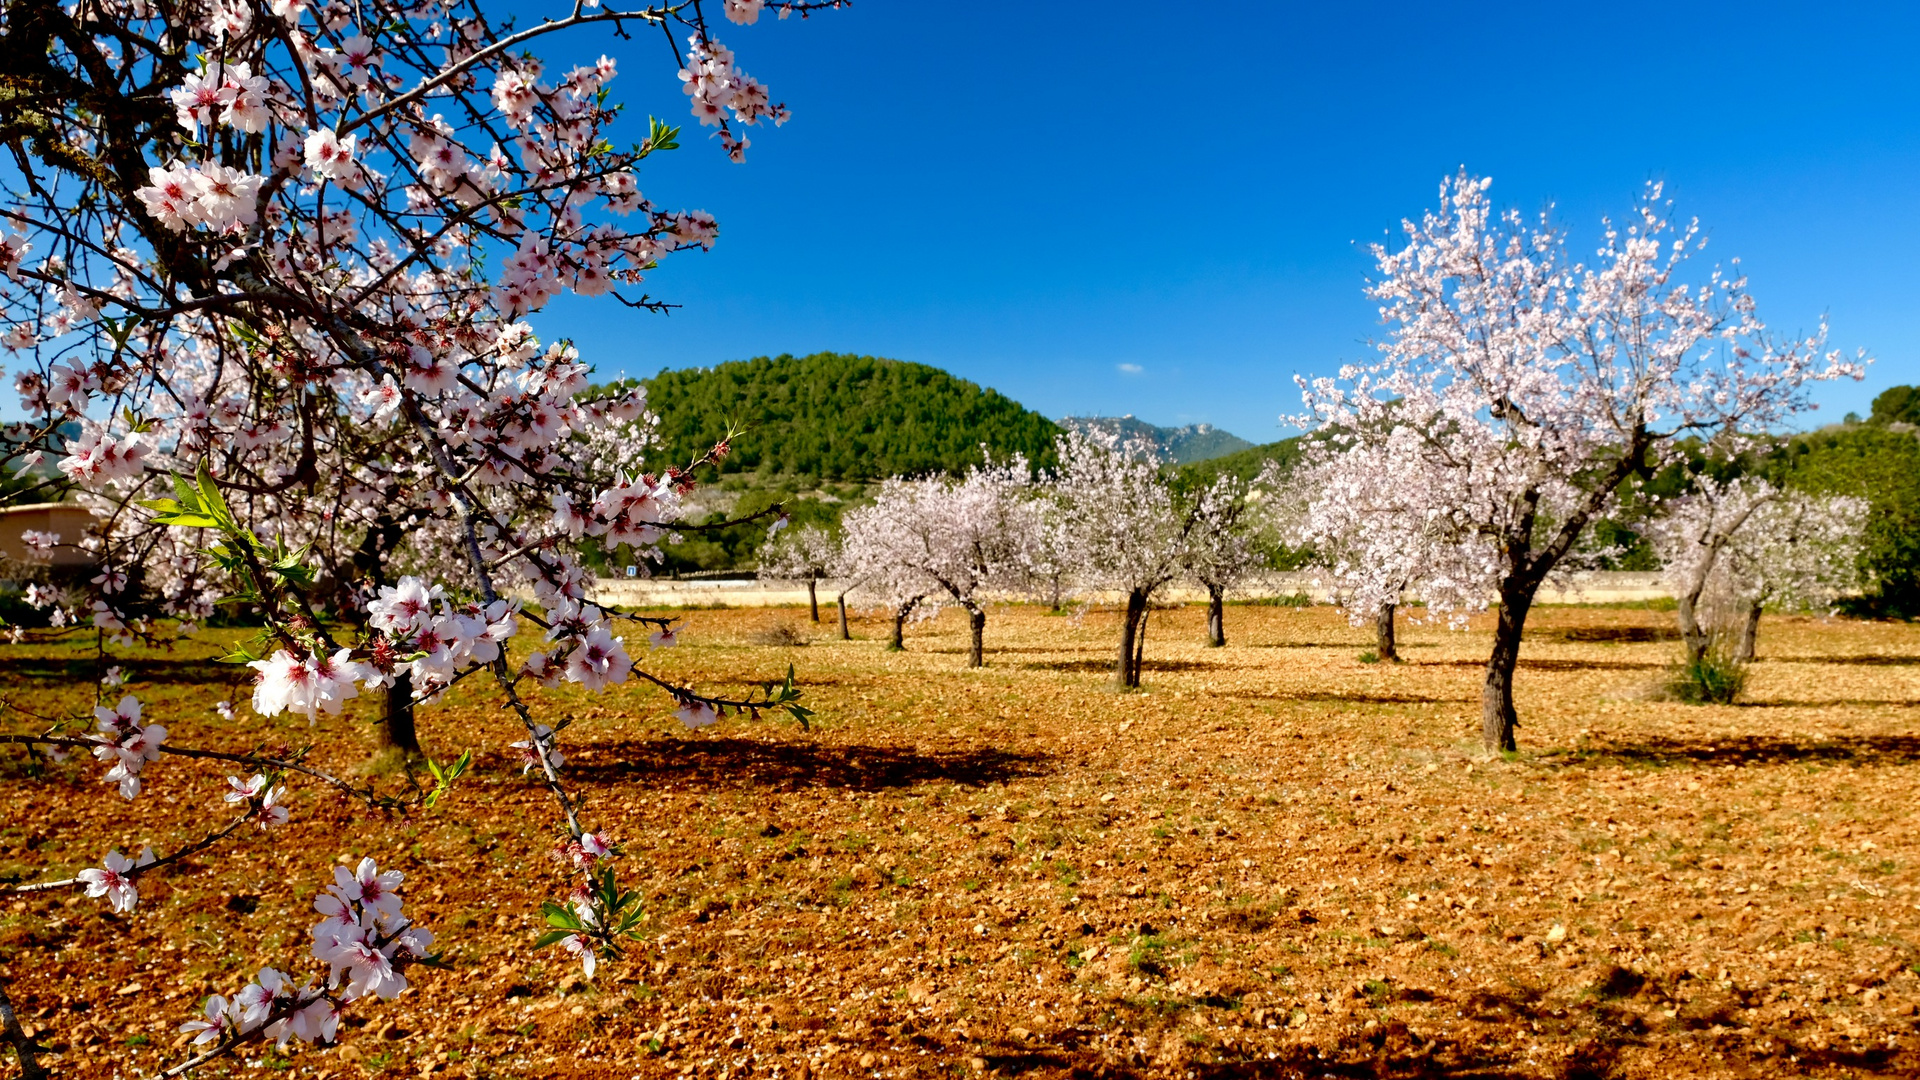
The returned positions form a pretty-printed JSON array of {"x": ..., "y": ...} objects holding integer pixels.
[
  {"x": 65, "y": 671},
  {"x": 1535, "y": 664},
  {"x": 1750, "y": 750},
  {"x": 1388, "y": 1051},
  {"x": 730, "y": 763},
  {"x": 1636, "y": 635},
  {"x": 1104, "y": 665},
  {"x": 1335, "y": 698},
  {"x": 1864, "y": 660}
]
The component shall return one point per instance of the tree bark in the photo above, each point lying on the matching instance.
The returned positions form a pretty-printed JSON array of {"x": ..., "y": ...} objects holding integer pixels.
[
  {"x": 813, "y": 600},
  {"x": 396, "y": 717},
  {"x": 1140, "y": 643},
  {"x": 977, "y": 623},
  {"x": 1497, "y": 717},
  {"x": 23, "y": 1045},
  {"x": 1693, "y": 636},
  {"x": 1216, "y": 617},
  {"x": 1126, "y": 671},
  {"x": 1749, "y": 634},
  {"x": 899, "y": 639},
  {"x": 1383, "y": 632},
  {"x": 844, "y": 636}
]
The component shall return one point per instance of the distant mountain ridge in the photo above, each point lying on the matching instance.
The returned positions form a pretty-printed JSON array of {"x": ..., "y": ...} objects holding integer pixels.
[{"x": 1176, "y": 445}]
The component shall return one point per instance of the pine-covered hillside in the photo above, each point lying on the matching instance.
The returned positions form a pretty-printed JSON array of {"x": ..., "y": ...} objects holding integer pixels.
[{"x": 839, "y": 417}]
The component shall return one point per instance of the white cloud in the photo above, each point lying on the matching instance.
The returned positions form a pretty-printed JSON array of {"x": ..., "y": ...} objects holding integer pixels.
[{"x": 1130, "y": 369}]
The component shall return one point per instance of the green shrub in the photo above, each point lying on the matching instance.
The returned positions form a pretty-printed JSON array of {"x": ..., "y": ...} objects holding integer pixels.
[{"x": 1714, "y": 679}]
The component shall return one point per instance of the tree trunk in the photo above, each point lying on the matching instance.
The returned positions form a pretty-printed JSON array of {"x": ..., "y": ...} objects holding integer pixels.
[
  {"x": 813, "y": 600},
  {"x": 977, "y": 622},
  {"x": 1693, "y": 636},
  {"x": 1749, "y": 634},
  {"x": 844, "y": 636},
  {"x": 899, "y": 639},
  {"x": 1383, "y": 631},
  {"x": 1216, "y": 617},
  {"x": 1140, "y": 642},
  {"x": 23, "y": 1044},
  {"x": 1126, "y": 671},
  {"x": 396, "y": 717},
  {"x": 1497, "y": 716}
]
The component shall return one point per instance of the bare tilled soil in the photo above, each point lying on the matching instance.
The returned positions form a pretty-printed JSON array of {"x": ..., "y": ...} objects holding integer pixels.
[{"x": 1275, "y": 861}]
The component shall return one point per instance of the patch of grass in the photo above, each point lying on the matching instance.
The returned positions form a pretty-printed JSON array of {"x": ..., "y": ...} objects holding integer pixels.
[
  {"x": 1716, "y": 678},
  {"x": 782, "y": 634},
  {"x": 1369, "y": 657}
]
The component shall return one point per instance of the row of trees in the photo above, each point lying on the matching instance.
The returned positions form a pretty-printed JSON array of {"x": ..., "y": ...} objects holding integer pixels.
[
  {"x": 1108, "y": 520},
  {"x": 1519, "y": 394}
]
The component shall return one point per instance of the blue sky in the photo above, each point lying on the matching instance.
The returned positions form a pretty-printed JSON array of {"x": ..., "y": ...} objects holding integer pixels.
[{"x": 1108, "y": 209}]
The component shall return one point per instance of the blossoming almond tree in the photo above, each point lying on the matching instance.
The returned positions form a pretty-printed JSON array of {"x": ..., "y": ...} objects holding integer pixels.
[
  {"x": 1745, "y": 544},
  {"x": 1220, "y": 552},
  {"x": 803, "y": 554},
  {"x": 1118, "y": 528},
  {"x": 264, "y": 276},
  {"x": 1542, "y": 382},
  {"x": 1802, "y": 552},
  {"x": 949, "y": 541},
  {"x": 1691, "y": 540},
  {"x": 1380, "y": 521}
]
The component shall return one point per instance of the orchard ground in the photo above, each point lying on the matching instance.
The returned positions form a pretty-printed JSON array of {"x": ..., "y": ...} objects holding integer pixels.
[{"x": 1277, "y": 860}]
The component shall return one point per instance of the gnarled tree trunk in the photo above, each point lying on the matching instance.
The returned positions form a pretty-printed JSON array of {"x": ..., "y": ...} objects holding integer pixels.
[
  {"x": 1383, "y": 633},
  {"x": 1216, "y": 617},
  {"x": 1749, "y": 634},
  {"x": 1693, "y": 636},
  {"x": 1497, "y": 716},
  {"x": 1126, "y": 671},
  {"x": 813, "y": 600},
  {"x": 977, "y": 624},
  {"x": 899, "y": 639},
  {"x": 842, "y": 601}
]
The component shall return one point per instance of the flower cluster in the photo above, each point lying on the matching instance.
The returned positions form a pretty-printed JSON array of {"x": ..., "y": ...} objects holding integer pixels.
[
  {"x": 442, "y": 642},
  {"x": 262, "y": 796},
  {"x": 305, "y": 685},
  {"x": 126, "y": 742},
  {"x": 362, "y": 937}
]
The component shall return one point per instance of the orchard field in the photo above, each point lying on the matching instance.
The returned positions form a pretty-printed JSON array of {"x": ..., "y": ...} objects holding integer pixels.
[{"x": 1275, "y": 860}]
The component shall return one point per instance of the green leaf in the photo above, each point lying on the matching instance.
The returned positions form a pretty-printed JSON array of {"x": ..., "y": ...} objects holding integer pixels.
[
  {"x": 662, "y": 136},
  {"x": 551, "y": 937},
  {"x": 239, "y": 655}
]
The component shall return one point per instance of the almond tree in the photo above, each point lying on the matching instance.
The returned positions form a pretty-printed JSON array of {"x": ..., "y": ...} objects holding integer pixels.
[
  {"x": 1119, "y": 529},
  {"x": 867, "y": 562},
  {"x": 1542, "y": 382},
  {"x": 1220, "y": 552},
  {"x": 1380, "y": 520},
  {"x": 1745, "y": 544},
  {"x": 1799, "y": 552},
  {"x": 1691, "y": 540},
  {"x": 950, "y": 541},
  {"x": 264, "y": 274},
  {"x": 807, "y": 554}
]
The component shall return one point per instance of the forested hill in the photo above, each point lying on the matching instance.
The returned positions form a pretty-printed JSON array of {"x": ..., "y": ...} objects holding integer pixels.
[{"x": 835, "y": 416}]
